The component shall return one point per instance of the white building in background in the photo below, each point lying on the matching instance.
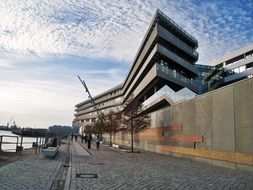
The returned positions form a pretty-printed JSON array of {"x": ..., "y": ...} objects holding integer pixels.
[{"x": 238, "y": 64}]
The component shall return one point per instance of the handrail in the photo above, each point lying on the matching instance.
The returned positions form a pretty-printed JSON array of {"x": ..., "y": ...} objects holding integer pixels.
[
  {"x": 177, "y": 75},
  {"x": 16, "y": 143},
  {"x": 19, "y": 144},
  {"x": 9, "y": 136}
]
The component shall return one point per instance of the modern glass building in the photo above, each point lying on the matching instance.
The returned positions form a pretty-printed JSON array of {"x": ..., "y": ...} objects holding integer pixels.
[{"x": 166, "y": 59}]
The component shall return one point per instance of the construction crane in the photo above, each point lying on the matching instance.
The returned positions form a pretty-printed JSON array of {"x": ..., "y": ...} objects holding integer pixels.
[
  {"x": 9, "y": 121},
  {"x": 100, "y": 115}
]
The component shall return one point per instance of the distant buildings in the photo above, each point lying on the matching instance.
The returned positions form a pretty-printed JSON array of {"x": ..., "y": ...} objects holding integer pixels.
[
  {"x": 31, "y": 132},
  {"x": 232, "y": 67},
  {"x": 66, "y": 130}
]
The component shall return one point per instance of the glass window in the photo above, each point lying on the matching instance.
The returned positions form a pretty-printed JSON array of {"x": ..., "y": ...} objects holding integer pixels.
[
  {"x": 236, "y": 70},
  {"x": 174, "y": 73},
  {"x": 242, "y": 68}
]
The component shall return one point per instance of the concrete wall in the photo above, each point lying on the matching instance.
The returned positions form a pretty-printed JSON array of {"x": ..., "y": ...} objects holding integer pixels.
[
  {"x": 243, "y": 105},
  {"x": 216, "y": 127}
]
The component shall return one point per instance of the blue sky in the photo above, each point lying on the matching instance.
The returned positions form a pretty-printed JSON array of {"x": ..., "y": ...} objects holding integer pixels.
[{"x": 44, "y": 45}]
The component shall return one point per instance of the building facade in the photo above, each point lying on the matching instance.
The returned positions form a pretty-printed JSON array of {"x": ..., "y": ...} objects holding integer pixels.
[
  {"x": 63, "y": 130},
  {"x": 214, "y": 126},
  {"x": 166, "y": 56},
  {"x": 232, "y": 67}
]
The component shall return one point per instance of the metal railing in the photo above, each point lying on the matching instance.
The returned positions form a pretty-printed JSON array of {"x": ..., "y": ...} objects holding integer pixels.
[
  {"x": 8, "y": 136},
  {"x": 177, "y": 75},
  {"x": 179, "y": 27},
  {"x": 176, "y": 41},
  {"x": 19, "y": 143}
]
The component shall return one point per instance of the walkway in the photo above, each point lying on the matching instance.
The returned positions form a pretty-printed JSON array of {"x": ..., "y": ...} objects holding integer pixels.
[
  {"x": 109, "y": 168},
  {"x": 76, "y": 168},
  {"x": 34, "y": 172}
]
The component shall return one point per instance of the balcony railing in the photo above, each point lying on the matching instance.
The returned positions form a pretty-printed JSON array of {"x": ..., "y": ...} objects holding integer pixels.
[
  {"x": 173, "y": 73},
  {"x": 176, "y": 41},
  {"x": 179, "y": 27}
]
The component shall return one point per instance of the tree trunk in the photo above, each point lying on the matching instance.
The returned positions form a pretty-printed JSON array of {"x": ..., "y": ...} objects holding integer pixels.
[
  {"x": 132, "y": 136},
  {"x": 110, "y": 140}
]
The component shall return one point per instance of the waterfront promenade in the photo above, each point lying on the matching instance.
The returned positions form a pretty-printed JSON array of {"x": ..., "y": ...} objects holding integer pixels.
[{"x": 108, "y": 168}]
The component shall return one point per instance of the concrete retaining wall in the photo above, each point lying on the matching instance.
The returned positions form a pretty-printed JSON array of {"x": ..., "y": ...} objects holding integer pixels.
[{"x": 216, "y": 127}]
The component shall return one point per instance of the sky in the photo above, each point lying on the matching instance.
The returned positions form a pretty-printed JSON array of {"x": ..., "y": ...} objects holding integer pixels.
[{"x": 44, "y": 45}]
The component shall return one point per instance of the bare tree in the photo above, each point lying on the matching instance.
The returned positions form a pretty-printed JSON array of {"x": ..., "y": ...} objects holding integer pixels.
[
  {"x": 112, "y": 124},
  {"x": 133, "y": 118},
  {"x": 89, "y": 128}
]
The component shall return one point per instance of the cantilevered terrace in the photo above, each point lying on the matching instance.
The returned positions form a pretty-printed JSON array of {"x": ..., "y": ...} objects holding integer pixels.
[{"x": 166, "y": 57}]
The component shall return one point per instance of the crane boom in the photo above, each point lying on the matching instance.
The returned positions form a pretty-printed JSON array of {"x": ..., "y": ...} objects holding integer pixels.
[
  {"x": 92, "y": 100},
  {"x": 9, "y": 121}
]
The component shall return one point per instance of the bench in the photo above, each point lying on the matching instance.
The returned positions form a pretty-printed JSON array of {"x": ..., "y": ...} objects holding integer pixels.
[
  {"x": 115, "y": 145},
  {"x": 51, "y": 152}
]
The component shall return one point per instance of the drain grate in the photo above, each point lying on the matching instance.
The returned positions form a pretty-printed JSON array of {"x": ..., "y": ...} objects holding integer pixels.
[{"x": 86, "y": 175}]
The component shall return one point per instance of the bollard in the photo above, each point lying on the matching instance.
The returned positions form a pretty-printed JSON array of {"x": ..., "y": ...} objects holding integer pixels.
[
  {"x": 21, "y": 143},
  {"x": 36, "y": 145},
  {"x": 40, "y": 144},
  {"x": 1, "y": 142}
]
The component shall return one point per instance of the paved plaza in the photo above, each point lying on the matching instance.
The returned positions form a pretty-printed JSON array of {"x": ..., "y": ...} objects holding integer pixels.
[{"x": 76, "y": 168}]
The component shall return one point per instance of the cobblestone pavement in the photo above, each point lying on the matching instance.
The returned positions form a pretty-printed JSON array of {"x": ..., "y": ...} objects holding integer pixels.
[
  {"x": 110, "y": 168},
  {"x": 114, "y": 169},
  {"x": 35, "y": 172}
]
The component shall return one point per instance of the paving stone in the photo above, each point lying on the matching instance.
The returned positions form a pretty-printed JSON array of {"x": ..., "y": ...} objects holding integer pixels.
[
  {"x": 118, "y": 169},
  {"x": 146, "y": 170},
  {"x": 33, "y": 173}
]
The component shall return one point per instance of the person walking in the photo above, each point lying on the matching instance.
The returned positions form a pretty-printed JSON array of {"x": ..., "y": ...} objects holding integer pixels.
[
  {"x": 85, "y": 138},
  {"x": 98, "y": 141},
  {"x": 89, "y": 139},
  {"x": 72, "y": 136},
  {"x": 54, "y": 144},
  {"x": 82, "y": 138}
]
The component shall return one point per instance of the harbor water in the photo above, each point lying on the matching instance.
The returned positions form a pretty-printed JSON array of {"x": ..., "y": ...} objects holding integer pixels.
[{"x": 27, "y": 141}]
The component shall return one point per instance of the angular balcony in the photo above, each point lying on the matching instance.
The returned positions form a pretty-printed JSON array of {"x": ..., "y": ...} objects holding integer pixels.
[
  {"x": 237, "y": 76},
  {"x": 178, "y": 60},
  {"x": 175, "y": 77},
  {"x": 165, "y": 34},
  {"x": 179, "y": 29}
]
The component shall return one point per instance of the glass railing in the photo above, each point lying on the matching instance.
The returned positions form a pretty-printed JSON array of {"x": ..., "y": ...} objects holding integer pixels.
[
  {"x": 176, "y": 75},
  {"x": 195, "y": 53},
  {"x": 98, "y": 101}
]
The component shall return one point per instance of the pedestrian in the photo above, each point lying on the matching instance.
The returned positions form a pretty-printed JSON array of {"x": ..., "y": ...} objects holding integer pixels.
[
  {"x": 72, "y": 136},
  {"x": 98, "y": 141},
  {"x": 59, "y": 140},
  {"x": 82, "y": 138},
  {"x": 89, "y": 139},
  {"x": 85, "y": 138},
  {"x": 54, "y": 144},
  {"x": 75, "y": 137}
]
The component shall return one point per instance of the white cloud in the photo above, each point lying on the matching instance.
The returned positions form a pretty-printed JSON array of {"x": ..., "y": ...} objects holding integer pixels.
[
  {"x": 32, "y": 32},
  {"x": 90, "y": 28},
  {"x": 115, "y": 28}
]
